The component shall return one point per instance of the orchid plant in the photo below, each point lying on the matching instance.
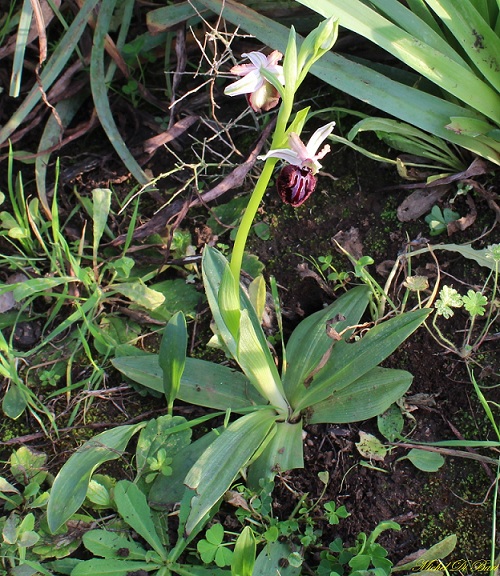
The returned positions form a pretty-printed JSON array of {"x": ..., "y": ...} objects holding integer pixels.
[{"x": 329, "y": 372}]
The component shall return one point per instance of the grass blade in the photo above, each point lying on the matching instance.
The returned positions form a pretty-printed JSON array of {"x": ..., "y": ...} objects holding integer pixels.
[
  {"x": 100, "y": 95},
  {"x": 21, "y": 41},
  {"x": 52, "y": 68}
]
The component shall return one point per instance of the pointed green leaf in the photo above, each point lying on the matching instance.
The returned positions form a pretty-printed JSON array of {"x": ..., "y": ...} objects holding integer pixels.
[
  {"x": 258, "y": 365},
  {"x": 101, "y": 204},
  {"x": 284, "y": 452},
  {"x": 348, "y": 362},
  {"x": 245, "y": 550},
  {"x": 436, "y": 552},
  {"x": 309, "y": 341},
  {"x": 172, "y": 357},
  {"x": 213, "y": 473},
  {"x": 140, "y": 294},
  {"x": 365, "y": 398},
  {"x": 71, "y": 484},
  {"x": 106, "y": 544},
  {"x": 111, "y": 567},
  {"x": 203, "y": 383},
  {"x": 133, "y": 508}
]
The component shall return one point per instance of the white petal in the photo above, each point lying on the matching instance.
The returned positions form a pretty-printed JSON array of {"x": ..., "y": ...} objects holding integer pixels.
[
  {"x": 257, "y": 59},
  {"x": 284, "y": 154},
  {"x": 318, "y": 138},
  {"x": 246, "y": 85}
]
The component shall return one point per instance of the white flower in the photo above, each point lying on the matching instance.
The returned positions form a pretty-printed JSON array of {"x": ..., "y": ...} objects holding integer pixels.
[
  {"x": 304, "y": 155},
  {"x": 262, "y": 94}
]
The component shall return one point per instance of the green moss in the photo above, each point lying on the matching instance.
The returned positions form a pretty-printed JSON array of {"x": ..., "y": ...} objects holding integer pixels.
[{"x": 457, "y": 492}]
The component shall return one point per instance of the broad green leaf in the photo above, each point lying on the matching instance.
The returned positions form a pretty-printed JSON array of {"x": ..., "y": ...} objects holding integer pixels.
[
  {"x": 107, "y": 544},
  {"x": 391, "y": 422},
  {"x": 111, "y": 567},
  {"x": 270, "y": 561},
  {"x": 140, "y": 294},
  {"x": 245, "y": 550},
  {"x": 309, "y": 341},
  {"x": 36, "y": 285},
  {"x": 203, "y": 383},
  {"x": 167, "y": 490},
  {"x": 425, "y": 460},
  {"x": 156, "y": 434},
  {"x": 26, "y": 465},
  {"x": 172, "y": 356},
  {"x": 369, "y": 446},
  {"x": 178, "y": 296},
  {"x": 258, "y": 365},
  {"x": 14, "y": 402},
  {"x": 216, "y": 469},
  {"x": 101, "y": 204},
  {"x": 348, "y": 362},
  {"x": 134, "y": 509},
  {"x": 366, "y": 397},
  {"x": 283, "y": 452},
  {"x": 436, "y": 552},
  {"x": 71, "y": 483}
]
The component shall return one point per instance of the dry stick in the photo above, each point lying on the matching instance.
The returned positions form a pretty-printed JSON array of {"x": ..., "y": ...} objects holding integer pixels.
[
  {"x": 447, "y": 452},
  {"x": 232, "y": 180}
]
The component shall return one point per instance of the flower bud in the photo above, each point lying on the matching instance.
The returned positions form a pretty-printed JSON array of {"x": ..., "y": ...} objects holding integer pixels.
[{"x": 326, "y": 35}]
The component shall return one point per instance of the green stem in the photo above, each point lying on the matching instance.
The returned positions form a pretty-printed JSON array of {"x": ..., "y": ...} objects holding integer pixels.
[
  {"x": 260, "y": 189},
  {"x": 249, "y": 215}
]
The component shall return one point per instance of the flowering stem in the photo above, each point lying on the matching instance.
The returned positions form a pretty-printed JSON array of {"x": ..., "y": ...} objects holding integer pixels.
[{"x": 259, "y": 190}]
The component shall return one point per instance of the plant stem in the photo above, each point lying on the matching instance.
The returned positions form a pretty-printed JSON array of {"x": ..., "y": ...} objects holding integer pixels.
[
  {"x": 249, "y": 215},
  {"x": 260, "y": 189}
]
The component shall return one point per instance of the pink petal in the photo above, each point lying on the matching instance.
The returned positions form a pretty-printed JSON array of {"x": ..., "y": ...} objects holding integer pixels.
[{"x": 242, "y": 69}]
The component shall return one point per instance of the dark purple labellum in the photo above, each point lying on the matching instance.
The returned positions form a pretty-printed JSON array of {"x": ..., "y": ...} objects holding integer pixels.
[{"x": 295, "y": 184}]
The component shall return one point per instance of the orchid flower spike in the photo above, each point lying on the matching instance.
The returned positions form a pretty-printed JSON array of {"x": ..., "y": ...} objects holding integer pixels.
[
  {"x": 296, "y": 180},
  {"x": 262, "y": 95},
  {"x": 304, "y": 155}
]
